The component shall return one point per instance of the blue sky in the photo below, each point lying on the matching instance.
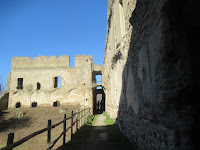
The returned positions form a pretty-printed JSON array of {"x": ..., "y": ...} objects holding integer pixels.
[{"x": 51, "y": 27}]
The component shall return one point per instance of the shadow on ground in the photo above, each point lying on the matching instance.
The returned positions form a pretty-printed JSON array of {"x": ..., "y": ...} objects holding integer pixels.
[
  {"x": 13, "y": 123},
  {"x": 98, "y": 111},
  {"x": 90, "y": 137}
]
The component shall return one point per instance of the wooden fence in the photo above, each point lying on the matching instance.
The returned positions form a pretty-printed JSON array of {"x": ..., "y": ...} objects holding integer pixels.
[{"x": 83, "y": 115}]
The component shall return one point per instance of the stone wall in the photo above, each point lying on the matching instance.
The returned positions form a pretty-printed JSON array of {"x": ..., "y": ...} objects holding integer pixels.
[
  {"x": 40, "y": 62},
  {"x": 76, "y": 82},
  {"x": 83, "y": 60},
  {"x": 4, "y": 100},
  {"x": 148, "y": 75}
]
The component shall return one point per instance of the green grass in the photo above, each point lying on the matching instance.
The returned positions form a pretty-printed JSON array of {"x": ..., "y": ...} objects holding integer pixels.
[
  {"x": 108, "y": 120},
  {"x": 90, "y": 120},
  {"x": 94, "y": 119},
  {"x": 115, "y": 135}
]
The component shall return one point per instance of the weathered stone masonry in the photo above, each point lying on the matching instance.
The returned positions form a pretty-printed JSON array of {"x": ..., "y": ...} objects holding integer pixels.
[
  {"x": 149, "y": 72},
  {"x": 39, "y": 78}
]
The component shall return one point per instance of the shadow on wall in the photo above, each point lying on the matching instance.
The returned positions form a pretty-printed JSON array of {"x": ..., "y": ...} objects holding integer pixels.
[
  {"x": 4, "y": 101},
  {"x": 158, "y": 108}
]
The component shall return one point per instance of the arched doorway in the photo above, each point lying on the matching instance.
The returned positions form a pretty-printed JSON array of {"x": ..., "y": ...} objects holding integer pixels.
[{"x": 98, "y": 100}]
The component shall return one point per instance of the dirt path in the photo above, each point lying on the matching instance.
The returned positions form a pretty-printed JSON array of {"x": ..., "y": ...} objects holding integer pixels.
[{"x": 97, "y": 138}]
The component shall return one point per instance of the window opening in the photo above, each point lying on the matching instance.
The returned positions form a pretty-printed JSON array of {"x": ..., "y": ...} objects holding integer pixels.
[
  {"x": 18, "y": 105},
  {"x": 98, "y": 79},
  {"x": 57, "y": 82},
  {"x": 20, "y": 83},
  {"x": 34, "y": 104},
  {"x": 38, "y": 85},
  {"x": 56, "y": 104},
  {"x": 99, "y": 87}
]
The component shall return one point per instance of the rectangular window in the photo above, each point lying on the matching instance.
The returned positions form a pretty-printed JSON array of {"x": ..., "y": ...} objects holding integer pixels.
[
  {"x": 98, "y": 79},
  {"x": 57, "y": 82},
  {"x": 38, "y": 85},
  {"x": 20, "y": 83}
]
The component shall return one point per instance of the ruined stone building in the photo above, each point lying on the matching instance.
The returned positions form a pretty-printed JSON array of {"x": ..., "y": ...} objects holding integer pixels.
[
  {"x": 45, "y": 80},
  {"x": 150, "y": 74}
]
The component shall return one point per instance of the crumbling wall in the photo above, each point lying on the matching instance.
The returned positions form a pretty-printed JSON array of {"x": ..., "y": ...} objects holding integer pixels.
[
  {"x": 116, "y": 51},
  {"x": 76, "y": 82},
  {"x": 97, "y": 68},
  {"x": 148, "y": 75},
  {"x": 40, "y": 62},
  {"x": 83, "y": 60}
]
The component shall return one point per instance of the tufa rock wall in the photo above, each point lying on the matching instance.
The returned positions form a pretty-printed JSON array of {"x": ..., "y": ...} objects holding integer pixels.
[{"x": 148, "y": 74}]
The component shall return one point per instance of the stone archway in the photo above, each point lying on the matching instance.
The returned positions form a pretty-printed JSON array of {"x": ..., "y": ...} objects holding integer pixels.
[{"x": 98, "y": 100}]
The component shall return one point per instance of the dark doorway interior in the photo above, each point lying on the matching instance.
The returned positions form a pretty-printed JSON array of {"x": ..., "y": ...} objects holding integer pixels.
[
  {"x": 18, "y": 105},
  {"x": 56, "y": 104},
  {"x": 98, "y": 101},
  {"x": 34, "y": 104}
]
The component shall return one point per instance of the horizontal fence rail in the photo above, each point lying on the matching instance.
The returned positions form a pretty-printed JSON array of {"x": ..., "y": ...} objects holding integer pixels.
[{"x": 83, "y": 114}]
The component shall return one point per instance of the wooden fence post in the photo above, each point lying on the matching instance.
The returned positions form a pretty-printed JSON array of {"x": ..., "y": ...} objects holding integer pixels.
[
  {"x": 84, "y": 117},
  {"x": 80, "y": 118},
  {"x": 64, "y": 129},
  {"x": 10, "y": 139},
  {"x": 76, "y": 120},
  {"x": 49, "y": 134},
  {"x": 86, "y": 114},
  {"x": 72, "y": 125}
]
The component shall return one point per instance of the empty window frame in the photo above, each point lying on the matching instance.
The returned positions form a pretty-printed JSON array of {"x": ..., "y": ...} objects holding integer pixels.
[
  {"x": 56, "y": 104},
  {"x": 38, "y": 86},
  {"x": 20, "y": 83},
  {"x": 18, "y": 105},
  {"x": 57, "y": 82},
  {"x": 34, "y": 104},
  {"x": 98, "y": 79}
]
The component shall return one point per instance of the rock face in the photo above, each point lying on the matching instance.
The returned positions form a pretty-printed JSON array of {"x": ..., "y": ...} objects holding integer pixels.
[
  {"x": 45, "y": 80},
  {"x": 149, "y": 72}
]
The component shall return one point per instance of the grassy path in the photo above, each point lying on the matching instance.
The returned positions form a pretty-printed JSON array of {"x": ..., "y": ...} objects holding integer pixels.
[{"x": 100, "y": 134}]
